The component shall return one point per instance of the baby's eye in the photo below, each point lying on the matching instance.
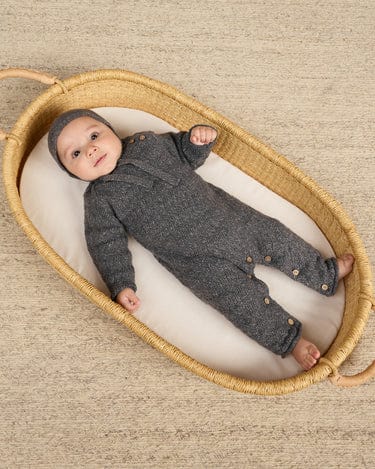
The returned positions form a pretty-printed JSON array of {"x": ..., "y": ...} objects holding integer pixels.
[
  {"x": 76, "y": 154},
  {"x": 94, "y": 136}
]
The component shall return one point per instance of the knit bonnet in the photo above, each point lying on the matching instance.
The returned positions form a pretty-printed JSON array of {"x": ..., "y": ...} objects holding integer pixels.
[{"x": 62, "y": 121}]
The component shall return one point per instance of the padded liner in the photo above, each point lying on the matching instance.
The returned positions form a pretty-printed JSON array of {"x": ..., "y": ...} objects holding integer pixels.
[{"x": 53, "y": 201}]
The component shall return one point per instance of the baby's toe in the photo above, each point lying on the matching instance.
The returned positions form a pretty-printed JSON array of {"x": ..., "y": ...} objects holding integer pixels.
[
  {"x": 314, "y": 352},
  {"x": 311, "y": 357},
  {"x": 309, "y": 362}
]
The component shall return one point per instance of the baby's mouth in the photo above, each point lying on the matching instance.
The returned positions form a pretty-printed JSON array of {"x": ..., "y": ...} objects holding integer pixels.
[{"x": 99, "y": 160}]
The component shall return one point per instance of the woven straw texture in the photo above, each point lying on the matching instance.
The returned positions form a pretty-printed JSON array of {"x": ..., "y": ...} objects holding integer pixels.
[{"x": 304, "y": 100}]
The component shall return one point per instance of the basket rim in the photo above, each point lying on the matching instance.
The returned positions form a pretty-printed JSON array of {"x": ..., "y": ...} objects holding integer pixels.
[{"x": 12, "y": 171}]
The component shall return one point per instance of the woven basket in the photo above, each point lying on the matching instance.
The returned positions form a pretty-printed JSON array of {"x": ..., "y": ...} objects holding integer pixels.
[{"x": 118, "y": 88}]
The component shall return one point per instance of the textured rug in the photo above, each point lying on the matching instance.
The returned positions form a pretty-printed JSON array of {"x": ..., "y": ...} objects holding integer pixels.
[{"x": 79, "y": 390}]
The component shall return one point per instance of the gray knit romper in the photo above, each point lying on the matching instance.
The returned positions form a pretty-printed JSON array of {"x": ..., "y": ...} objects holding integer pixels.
[{"x": 208, "y": 239}]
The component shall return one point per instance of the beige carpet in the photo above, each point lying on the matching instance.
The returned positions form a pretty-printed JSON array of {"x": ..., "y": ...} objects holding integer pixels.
[{"x": 76, "y": 388}]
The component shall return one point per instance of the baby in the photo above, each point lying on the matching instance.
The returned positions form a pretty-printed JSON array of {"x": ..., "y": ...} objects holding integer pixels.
[{"x": 145, "y": 186}]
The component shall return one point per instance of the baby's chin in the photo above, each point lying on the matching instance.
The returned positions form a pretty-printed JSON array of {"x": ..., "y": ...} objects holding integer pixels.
[{"x": 104, "y": 169}]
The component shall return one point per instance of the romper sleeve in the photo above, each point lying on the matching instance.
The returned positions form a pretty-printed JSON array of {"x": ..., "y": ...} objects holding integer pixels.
[
  {"x": 195, "y": 155},
  {"x": 107, "y": 243}
]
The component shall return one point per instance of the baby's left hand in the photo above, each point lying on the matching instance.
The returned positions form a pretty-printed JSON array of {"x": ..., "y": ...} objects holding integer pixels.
[{"x": 202, "y": 135}]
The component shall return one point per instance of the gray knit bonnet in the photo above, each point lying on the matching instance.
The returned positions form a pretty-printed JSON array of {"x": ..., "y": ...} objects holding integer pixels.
[{"x": 62, "y": 121}]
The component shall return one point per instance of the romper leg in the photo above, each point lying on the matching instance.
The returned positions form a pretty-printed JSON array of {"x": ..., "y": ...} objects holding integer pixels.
[
  {"x": 243, "y": 299},
  {"x": 283, "y": 249}
]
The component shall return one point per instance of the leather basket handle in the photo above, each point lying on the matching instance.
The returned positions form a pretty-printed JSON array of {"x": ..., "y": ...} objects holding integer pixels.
[
  {"x": 44, "y": 78},
  {"x": 30, "y": 74}
]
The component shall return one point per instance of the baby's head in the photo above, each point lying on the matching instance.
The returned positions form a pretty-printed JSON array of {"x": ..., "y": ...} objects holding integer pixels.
[{"x": 84, "y": 144}]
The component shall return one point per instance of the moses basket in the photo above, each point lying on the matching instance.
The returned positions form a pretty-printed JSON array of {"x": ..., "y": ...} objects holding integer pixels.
[{"x": 119, "y": 88}]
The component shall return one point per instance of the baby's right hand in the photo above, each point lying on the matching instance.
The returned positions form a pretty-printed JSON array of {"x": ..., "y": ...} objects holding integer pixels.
[{"x": 128, "y": 299}]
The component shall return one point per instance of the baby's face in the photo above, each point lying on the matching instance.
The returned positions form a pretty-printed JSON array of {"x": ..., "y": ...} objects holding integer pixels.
[{"x": 88, "y": 148}]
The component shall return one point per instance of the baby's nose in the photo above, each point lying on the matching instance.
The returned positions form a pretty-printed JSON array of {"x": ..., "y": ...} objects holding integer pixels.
[{"x": 91, "y": 151}]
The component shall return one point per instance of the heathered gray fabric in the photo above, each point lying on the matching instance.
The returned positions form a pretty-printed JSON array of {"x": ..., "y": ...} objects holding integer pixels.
[
  {"x": 63, "y": 120},
  {"x": 200, "y": 233}
]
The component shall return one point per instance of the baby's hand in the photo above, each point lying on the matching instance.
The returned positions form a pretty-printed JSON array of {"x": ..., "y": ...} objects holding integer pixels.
[
  {"x": 128, "y": 299},
  {"x": 202, "y": 135}
]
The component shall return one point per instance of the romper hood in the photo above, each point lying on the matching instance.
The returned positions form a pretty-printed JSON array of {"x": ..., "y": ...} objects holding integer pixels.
[{"x": 62, "y": 121}]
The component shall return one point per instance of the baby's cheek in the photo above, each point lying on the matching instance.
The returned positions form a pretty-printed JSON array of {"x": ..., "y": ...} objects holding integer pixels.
[{"x": 118, "y": 147}]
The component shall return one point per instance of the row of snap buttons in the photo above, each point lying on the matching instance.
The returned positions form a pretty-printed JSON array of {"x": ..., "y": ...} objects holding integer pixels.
[
  {"x": 141, "y": 137},
  {"x": 249, "y": 260},
  {"x": 268, "y": 301}
]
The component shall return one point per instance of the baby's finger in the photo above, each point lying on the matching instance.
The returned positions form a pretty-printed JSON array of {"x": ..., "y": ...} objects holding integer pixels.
[
  {"x": 194, "y": 139},
  {"x": 210, "y": 134},
  {"x": 195, "y": 136}
]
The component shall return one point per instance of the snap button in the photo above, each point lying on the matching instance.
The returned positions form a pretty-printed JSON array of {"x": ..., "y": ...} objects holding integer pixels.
[
  {"x": 290, "y": 322},
  {"x": 268, "y": 258},
  {"x": 142, "y": 137},
  {"x": 249, "y": 276},
  {"x": 325, "y": 287},
  {"x": 249, "y": 259},
  {"x": 267, "y": 300},
  {"x": 131, "y": 140},
  {"x": 295, "y": 272}
]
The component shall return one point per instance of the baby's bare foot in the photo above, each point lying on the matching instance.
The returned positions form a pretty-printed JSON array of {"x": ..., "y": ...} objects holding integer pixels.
[
  {"x": 306, "y": 354},
  {"x": 345, "y": 265}
]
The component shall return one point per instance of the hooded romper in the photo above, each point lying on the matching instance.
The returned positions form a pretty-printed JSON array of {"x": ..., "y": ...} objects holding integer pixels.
[{"x": 207, "y": 238}]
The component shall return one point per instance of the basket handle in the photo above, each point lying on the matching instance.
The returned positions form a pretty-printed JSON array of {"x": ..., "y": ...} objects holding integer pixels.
[
  {"x": 349, "y": 381},
  {"x": 32, "y": 75},
  {"x": 354, "y": 380}
]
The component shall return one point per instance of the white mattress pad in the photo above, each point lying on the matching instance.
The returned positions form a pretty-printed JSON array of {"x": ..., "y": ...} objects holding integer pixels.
[{"x": 54, "y": 203}]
